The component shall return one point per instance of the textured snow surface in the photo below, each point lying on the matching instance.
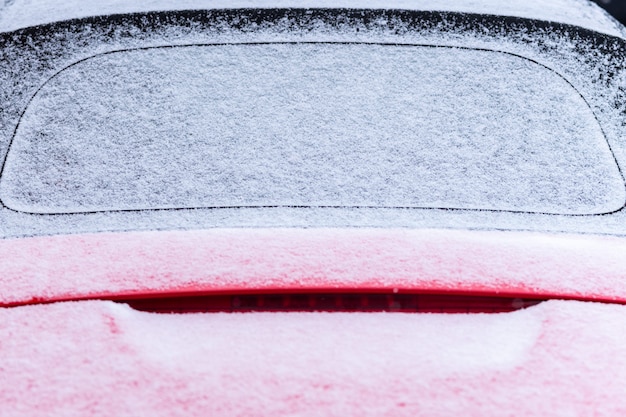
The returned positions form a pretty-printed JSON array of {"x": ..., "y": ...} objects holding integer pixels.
[
  {"x": 560, "y": 358},
  {"x": 593, "y": 66},
  {"x": 22, "y": 13},
  {"x": 310, "y": 125},
  {"x": 170, "y": 262}
]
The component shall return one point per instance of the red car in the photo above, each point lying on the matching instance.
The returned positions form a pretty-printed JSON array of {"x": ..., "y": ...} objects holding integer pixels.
[{"x": 310, "y": 208}]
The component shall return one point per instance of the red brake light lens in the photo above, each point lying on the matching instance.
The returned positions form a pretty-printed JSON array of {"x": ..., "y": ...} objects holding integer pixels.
[{"x": 332, "y": 302}]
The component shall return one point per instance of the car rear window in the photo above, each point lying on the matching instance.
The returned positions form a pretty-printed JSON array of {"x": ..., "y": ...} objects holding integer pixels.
[{"x": 309, "y": 124}]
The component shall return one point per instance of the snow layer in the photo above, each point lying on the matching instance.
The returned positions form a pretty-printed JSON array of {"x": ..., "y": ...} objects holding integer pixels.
[
  {"x": 23, "y": 13},
  {"x": 310, "y": 125},
  {"x": 171, "y": 262},
  {"x": 560, "y": 358},
  {"x": 592, "y": 65}
]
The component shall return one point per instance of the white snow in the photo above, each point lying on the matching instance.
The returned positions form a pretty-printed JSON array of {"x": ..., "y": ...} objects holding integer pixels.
[
  {"x": 99, "y": 358},
  {"x": 592, "y": 72},
  {"x": 217, "y": 260},
  {"x": 310, "y": 125},
  {"x": 23, "y": 13}
]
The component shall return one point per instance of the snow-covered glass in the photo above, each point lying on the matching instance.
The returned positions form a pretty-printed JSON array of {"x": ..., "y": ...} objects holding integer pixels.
[{"x": 309, "y": 125}]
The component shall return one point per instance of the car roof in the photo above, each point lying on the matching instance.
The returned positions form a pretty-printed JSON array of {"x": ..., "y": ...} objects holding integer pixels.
[{"x": 24, "y": 13}]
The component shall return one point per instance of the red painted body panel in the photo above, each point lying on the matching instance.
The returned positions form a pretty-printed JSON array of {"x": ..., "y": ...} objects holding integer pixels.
[
  {"x": 92, "y": 358},
  {"x": 137, "y": 264}
]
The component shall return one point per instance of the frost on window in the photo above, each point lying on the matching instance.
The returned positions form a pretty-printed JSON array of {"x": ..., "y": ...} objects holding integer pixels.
[{"x": 309, "y": 125}]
